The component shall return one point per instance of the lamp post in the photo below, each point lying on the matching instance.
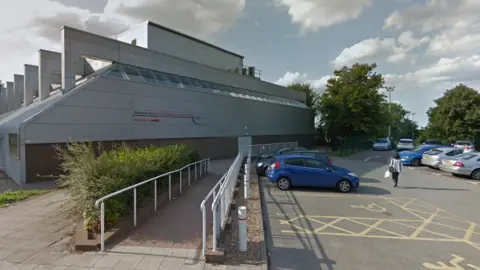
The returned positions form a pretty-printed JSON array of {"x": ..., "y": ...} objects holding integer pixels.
[
  {"x": 413, "y": 126},
  {"x": 389, "y": 90}
]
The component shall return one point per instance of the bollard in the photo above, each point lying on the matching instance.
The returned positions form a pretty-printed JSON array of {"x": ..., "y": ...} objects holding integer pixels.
[
  {"x": 242, "y": 228},
  {"x": 246, "y": 183}
]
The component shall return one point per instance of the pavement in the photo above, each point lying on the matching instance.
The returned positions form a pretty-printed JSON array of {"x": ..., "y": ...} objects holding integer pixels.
[
  {"x": 36, "y": 234},
  {"x": 429, "y": 222}
]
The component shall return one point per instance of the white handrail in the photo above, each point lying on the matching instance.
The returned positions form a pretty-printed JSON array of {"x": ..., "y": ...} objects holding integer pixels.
[
  {"x": 204, "y": 166},
  {"x": 222, "y": 192}
]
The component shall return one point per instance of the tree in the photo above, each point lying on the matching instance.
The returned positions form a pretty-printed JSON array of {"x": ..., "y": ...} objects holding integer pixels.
[
  {"x": 352, "y": 104},
  {"x": 308, "y": 90},
  {"x": 456, "y": 115},
  {"x": 398, "y": 118}
]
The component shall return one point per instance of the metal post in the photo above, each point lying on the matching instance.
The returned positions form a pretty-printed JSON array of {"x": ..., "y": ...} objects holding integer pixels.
[
  {"x": 413, "y": 126},
  {"x": 155, "y": 196},
  {"x": 180, "y": 181},
  {"x": 204, "y": 231},
  {"x": 195, "y": 171},
  {"x": 200, "y": 169},
  {"x": 169, "y": 187},
  {"x": 134, "y": 207},
  {"x": 102, "y": 226},
  {"x": 214, "y": 238},
  {"x": 246, "y": 187},
  {"x": 389, "y": 90},
  {"x": 189, "y": 184},
  {"x": 242, "y": 228}
]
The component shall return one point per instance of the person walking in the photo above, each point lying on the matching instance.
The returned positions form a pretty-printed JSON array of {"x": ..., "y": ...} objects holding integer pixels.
[{"x": 396, "y": 167}]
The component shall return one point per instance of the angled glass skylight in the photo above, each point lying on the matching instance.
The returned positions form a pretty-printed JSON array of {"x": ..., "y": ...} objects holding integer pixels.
[
  {"x": 114, "y": 73},
  {"x": 125, "y": 72},
  {"x": 132, "y": 74}
]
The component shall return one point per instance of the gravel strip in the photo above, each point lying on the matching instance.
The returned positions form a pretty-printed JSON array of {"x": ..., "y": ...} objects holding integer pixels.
[{"x": 253, "y": 254}]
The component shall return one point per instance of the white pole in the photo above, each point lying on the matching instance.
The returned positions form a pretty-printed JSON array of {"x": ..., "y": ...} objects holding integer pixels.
[
  {"x": 102, "y": 226},
  {"x": 242, "y": 228},
  {"x": 246, "y": 183}
]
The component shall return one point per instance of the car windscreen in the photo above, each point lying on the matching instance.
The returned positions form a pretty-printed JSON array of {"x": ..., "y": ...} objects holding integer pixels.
[
  {"x": 405, "y": 141},
  {"x": 434, "y": 152},
  {"x": 419, "y": 149},
  {"x": 284, "y": 150},
  {"x": 381, "y": 141}
]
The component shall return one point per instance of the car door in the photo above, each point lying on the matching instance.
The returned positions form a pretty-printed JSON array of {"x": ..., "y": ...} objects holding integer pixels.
[
  {"x": 320, "y": 174},
  {"x": 297, "y": 171}
]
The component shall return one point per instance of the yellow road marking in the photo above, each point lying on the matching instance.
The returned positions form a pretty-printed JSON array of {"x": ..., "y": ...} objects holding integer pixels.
[
  {"x": 378, "y": 236},
  {"x": 404, "y": 208},
  {"x": 409, "y": 202},
  {"x": 470, "y": 231},
  {"x": 424, "y": 224},
  {"x": 374, "y": 226},
  {"x": 331, "y": 226},
  {"x": 371, "y": 228},
  {"x": 328, "y": 225}
]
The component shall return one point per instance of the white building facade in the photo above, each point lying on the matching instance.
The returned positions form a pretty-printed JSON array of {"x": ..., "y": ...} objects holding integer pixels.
[{"x": 152, "y": 85}]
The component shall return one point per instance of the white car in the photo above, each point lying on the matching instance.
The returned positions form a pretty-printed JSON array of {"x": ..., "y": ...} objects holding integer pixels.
[
  {"x": 405, "y": 144},
  {"x": 434, "y": 157},
  {"x": 382, "y": 144}
]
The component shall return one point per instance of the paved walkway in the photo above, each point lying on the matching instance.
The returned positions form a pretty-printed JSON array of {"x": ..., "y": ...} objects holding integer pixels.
[
  {"x": 179, "y": 224},
  {"x": 35, "y": 235}
]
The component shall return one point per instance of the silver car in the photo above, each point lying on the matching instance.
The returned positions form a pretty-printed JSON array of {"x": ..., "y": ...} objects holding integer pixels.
[
  {"x": 467, "y": 164},
  {"x": 405, "y": 144},
  {"x": 382, "y": 144},
  {"x": 434, "y": 157}
]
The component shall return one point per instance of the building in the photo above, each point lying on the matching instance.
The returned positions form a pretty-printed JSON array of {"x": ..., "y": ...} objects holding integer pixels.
[{"x": 151, "y": 85}]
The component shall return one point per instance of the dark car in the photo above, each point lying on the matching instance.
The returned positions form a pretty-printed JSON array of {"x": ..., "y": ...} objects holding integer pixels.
[
  {"x": 279, "y": 152},
  {"x": 263, "y": 165}
]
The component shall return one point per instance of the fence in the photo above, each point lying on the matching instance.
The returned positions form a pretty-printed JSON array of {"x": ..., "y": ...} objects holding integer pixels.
[
  {"x": 221, "y": 194},
  {"x": 258, "y": 149},
  {"x": 203, "y": 167},
  {"x": 351, "y": 145}
]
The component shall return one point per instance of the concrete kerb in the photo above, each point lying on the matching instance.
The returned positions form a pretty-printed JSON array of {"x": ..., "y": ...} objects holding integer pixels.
[{"x": 263, "y": 222}]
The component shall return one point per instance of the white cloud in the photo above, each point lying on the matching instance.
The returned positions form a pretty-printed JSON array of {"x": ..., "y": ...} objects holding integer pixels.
[
  {"x": 42, "y": 20},
  {"x": 394, "y": 50},
  {"x": 446, "y": 70},
  {"x": 455, "y": 25},
  {"x": 297, "y": 77},
  {"x": 316, "y": 14}
]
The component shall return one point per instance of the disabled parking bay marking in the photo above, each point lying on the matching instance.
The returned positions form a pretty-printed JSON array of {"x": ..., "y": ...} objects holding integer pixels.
[
  {"x": 453, "y": 264},
  {"x": 424, "y": 222}
]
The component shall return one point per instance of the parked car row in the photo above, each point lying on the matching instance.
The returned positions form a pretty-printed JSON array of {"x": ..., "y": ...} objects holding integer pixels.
[
  {"x": 298, "y": 166},
  {"x": 458, "y": 159}
]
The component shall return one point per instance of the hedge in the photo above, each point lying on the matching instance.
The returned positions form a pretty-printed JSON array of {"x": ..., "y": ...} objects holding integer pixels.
[{"x": 89, "y": 176}]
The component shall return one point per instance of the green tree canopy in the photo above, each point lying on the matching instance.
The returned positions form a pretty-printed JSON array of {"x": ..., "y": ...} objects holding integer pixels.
[
  {"x": 398, "y": 118},
  {"x": 456, "y": 115},
  {"x": 307, "y": 88},
  {"x": 352, "y": 104}
]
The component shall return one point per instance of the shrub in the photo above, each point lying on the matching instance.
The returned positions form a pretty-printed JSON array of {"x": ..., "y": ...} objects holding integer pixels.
[{"x": 90, "y": 174}]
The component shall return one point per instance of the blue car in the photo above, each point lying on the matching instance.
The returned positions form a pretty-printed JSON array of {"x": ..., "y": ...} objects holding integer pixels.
[
  {"x": 307, "y": 171},
  {"x": 414, "y": 157}
]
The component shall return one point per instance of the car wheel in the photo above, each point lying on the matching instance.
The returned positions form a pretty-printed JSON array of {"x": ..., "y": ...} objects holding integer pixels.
[
  {"x": 344, "y": 186},
  {"x": 416, "y": 162},
  {"x": 284, "y": 183},
  {"x": 476, "y": 174},
  {"x": 264, "y": 171}
]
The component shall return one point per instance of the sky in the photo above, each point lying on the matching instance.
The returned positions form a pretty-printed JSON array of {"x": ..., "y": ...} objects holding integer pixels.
[{"x": 422, "y": 47}]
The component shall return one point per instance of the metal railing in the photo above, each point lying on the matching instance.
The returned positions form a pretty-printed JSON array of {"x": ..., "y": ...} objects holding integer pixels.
[
  {"x": 258, "y": 149},
  {"x": 202, "y": 165},
  {"x": 222, "y": 193}
]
